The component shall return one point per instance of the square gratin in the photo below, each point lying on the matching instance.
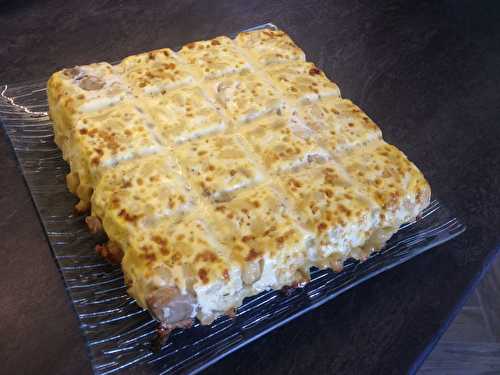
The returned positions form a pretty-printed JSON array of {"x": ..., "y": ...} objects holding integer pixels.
[{"x": 228, "y": 168}]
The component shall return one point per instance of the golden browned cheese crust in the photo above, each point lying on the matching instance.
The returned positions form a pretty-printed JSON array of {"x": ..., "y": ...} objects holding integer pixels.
[
  {"x": 138, "y": 193},
  {"x": 101, "y": 140},
  {"x": 301, "y": 82},
  {"x": 339, "y": 124},
  {"x": 184, "y": 114},
  {"x": 284, "y": 142},
  {"x": 219, "y": 165},
  {"x": 152, "y": 72},
  {"x": 267, "y": 47},
  {"x": 213, "y": 58},
  {"x": 243, "y": 96},
  {"x": 225, "y": 169}
]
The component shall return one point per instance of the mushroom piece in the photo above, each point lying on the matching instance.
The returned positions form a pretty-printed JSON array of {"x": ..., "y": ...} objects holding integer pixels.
[
  {"x": 336, "y": 262},
  {"x": 73, "y": 181},
  {"x": 169, "y": 306},
  {"x": 81, "y": 207},
  {"x": 72, "y": 72},
  {"x": 231, "y": 312},
  {"x": 251, "y": 271},
  {"x": 94, "y": 224},
  {"x": 91, "y": 83},
  {"x": 110, "y": 251}
]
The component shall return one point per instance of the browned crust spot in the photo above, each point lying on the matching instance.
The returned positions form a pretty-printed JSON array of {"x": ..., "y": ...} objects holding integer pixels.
[
  {"x": 314, "y": 71},
  {"x": 203, "y": 275},
  {"x": 128, "y": 216},
  {"x": 206, "y": 256},
  {"x": 252, "y": 255}
]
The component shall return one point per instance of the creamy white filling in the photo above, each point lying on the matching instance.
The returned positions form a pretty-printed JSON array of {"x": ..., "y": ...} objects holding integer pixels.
[{"x": 216, "y": 298}]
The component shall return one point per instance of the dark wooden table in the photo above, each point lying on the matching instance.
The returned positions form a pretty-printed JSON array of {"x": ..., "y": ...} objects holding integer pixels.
[{"x": 428, "y": 73}]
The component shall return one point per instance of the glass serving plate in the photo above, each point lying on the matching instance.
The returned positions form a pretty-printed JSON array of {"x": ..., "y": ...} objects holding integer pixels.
[{"x": 117, "y": 331}]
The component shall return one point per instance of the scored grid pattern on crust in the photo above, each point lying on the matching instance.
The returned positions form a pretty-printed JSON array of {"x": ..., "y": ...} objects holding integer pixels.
[{"x": 234, "y": 89}]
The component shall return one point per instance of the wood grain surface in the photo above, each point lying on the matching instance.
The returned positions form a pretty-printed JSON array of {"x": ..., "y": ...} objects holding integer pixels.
[{"x": 471, "y": 345}]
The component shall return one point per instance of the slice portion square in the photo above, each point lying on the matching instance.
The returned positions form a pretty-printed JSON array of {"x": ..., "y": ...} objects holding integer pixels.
[
  {"x": 103, "y": 139},
  {"x": 244, "y": 96},
  {"x": 137, "y": 193},
  {"x": 267, "y": 47},
  {"x": 218, "y": 166},
  {"x": 340, "y": 124},
  {"x": 152, "y": 72},
  {"x": 183, "y": 114},
  {"x": 283, "y": 142},
  {"x": 82, "y": 89},
  {"x": 301, "y": 82},
  {"x": 392, "y": 182},
  {"x": 213, "y": 58},
  {"x": 334, "y": 210},
  {"x": 262, "y": 235},
  {"x": 178, "y": 270}
]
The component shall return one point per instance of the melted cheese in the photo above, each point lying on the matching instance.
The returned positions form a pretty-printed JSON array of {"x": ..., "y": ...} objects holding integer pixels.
[
  {"x": 340, "y": 125},
  {"x": 103, "y": 139},
  {"x": 152, "y": 72},
  {"x": 301, "y": 81},
  {"x": 82, "y": 89},
  {"x": 331, "y": 208},
  {"x": 213, "y": 58},
  {"x": 243, "y": 96},
  {"x": 283, "y": 142},
  {"x": 269, "y": 46},
  {"x": 179, "y": 253},
  {"x": 108, "y": 137},
  {"x": 390, "y": 180},
  {"x": 218, "y": 166},
  {"x": 136, "y": 194},
  {"x": 183, "y": 114},
  {"x": 262, "y": 235}
]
